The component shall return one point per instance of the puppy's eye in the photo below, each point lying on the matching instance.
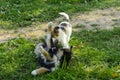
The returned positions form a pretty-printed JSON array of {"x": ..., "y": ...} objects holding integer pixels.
[{"x": 56, "y": 28}]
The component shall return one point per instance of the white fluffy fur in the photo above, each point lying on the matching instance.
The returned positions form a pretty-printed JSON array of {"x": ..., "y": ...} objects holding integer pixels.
[
  {"x": 65, "y": 15},
  {"x": 38, "y": 51},
  {"x": 48, "y": 34},
  {"x": 68, "y": 29},
  {"x": 34, "y": 72},
  {"x": 65, "y": 37}
]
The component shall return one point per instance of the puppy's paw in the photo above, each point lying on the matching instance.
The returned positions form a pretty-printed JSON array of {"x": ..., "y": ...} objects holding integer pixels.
[
  {"x": 50, "y": 24},
  {"x": 34, "y": 72}
]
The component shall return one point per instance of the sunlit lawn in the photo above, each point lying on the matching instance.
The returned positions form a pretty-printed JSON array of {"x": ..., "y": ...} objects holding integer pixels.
[
  {"x": 96, "y": 56},
  {"x": 21, "y": 13}
]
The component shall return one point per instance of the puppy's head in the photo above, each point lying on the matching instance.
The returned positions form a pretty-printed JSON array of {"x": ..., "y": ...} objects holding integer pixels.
[{"x": 58, "y": 30}]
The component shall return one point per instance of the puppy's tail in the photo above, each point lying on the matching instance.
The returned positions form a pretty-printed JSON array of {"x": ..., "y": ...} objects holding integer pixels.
[{"x": 65, "y": 15}]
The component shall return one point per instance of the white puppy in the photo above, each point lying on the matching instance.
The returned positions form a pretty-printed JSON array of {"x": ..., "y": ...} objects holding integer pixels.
[
  {"x": 66, "y": 24},
  {"x": 61, "y": 32}
]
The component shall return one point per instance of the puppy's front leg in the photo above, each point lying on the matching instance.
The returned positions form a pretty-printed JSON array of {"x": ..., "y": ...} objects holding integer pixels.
[
  {"x": 39, "y": 71},
  {"x": 64, "y": 43},
  {"x": 45, "y": 53}
]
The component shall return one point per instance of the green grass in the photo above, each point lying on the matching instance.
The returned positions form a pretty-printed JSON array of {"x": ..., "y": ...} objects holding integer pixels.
[
  {"x": 96, "y": 56},
  {"x": 19, "y": 13},
  {"x": 80, "y": 26},
  {"x": 95, "y": 25}
]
